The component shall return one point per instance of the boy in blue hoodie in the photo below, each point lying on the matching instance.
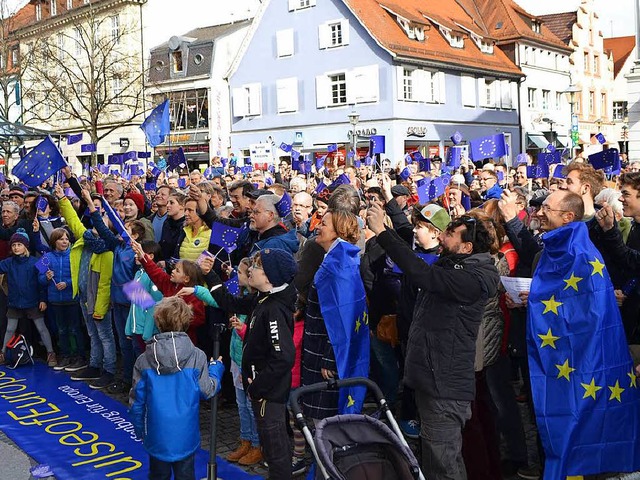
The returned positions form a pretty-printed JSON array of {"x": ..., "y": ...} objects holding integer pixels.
[{"x": 169, "y": 380}]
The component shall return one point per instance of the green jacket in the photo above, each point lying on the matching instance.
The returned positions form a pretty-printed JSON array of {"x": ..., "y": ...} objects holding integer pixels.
[{"x": 101, "y": 263}]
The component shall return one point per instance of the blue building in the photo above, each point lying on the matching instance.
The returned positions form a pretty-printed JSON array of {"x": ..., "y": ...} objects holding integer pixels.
[{"x": 313, "y": 73}]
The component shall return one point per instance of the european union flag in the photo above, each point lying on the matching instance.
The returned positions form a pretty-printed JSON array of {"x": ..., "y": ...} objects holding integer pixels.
[
  {"x": 341, "y": 180},
  {"x": 283, "y": 206},
  {"x": 557, "y": 172},
  {"x": 408, "y": 159},
  {"x": 156, "y": 125},
  {"x": 522, "y": 158},
  {"x": 232, "y": 285},
  {"x": 75, "y": 138},
  {"x": 491, "y": 146},
  {"x": 116, "y": 221},
  {"x": 405, "y": 174},
  {"x": 606, "y": 160},
  {"x": 430, "y": 189},
  {"x": 600, "y": 138},
  {"x": 320, "y": 162},
  {"x": 455, "y": 157},
  {"x": 130, "y": 155},
  {"x": 144, "y": 154},
  {"x": 102, "y": 168},
  {"x": 368, "y": 161},
  {"x": 344, "y": 309},
  {"x": 115, "y": 159},
  {"x": 541, "y": 170},
  {"x": 246, "y": 169},
  {"x": 357, "y": 163},
  {"x": 332, "y": 148},
  {"x": 295, "y": 155},
  {"x": 551, "y": 148},
  {"x": 584, "y": 387},
  {"x": 88, "y": 147},
  {"x": 176, "y": 159},
  {"x": 285, "y": 147},
  {"x": 549, "y": 158},
  {"x": 40, "y": 163},
  {"x": 224, "y": 236},
  {"x": 376, "y": 144},
  {"x": 320, "y": 187},
  {"x": 456, "y": 138}
]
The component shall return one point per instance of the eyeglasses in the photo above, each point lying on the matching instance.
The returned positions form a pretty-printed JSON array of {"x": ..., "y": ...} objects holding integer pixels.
[{"x": 546, "y": 209}]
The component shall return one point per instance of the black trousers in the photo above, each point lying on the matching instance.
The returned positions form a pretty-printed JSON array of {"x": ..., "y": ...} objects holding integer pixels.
[{"x": 274, "y": 439}]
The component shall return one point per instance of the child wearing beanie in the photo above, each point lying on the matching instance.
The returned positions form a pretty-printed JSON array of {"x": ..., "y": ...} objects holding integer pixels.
[
  {"x": 268, "y": 350},
  {"x": 26, "y": 297}
]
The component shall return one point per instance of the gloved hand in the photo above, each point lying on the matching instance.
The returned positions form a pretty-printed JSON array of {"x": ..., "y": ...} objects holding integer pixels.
[{"x": 216, "y": 370}]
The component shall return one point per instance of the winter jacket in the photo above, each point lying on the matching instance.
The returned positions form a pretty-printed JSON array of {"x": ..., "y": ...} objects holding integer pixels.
[
  {"x": 22, "y": 277},
  {"x": 169, "y": 289},
  {"x": 140, "y": 320},
  {"x": 60, "y": 265},
  {"x": 449, "y": 308},
  {"x": 124, "y": 263},
  {"x": 171, "y": 231},
  {"x": 250, "y": 241},
  {"x": 169, "y": 380},
  {"x": 493, "y": 192},
  {"x": 101, "y": 264},
  {"x": 269, "y": 353},
  {"x": 191, "y": 245}
]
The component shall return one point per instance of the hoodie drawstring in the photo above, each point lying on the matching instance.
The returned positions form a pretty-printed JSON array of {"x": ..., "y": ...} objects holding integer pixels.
[
  {"x": 175, "y": 351},
  {"x": 155, "y": 354}
]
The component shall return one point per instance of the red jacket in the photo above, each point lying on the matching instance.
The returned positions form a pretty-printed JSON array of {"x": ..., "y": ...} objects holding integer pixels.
[
  {"x": 169, "y": 289},
  {"x": 296, "y": 371}
]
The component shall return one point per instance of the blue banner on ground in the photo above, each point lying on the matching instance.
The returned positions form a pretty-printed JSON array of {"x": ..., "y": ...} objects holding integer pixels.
[{"x": 78, "y": 432}]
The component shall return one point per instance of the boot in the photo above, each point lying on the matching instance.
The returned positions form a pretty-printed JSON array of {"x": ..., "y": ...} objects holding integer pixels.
[
  {"x": 239, "y": 452},
  {"x": 253, "y": 456}
]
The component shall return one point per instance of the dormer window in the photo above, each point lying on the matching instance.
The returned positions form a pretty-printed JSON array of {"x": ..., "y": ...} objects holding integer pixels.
[
  {"x": 536, "y": 25},
  {"x": 38, "y": 12},
  {"x": 419, "y": 33},
  {"x": 54, "y": 8},
  {"x": 455, "y": 40}
]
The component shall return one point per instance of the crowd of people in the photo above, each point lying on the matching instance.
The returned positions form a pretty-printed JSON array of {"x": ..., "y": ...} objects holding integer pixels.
[{"x": 447, "y": 344}]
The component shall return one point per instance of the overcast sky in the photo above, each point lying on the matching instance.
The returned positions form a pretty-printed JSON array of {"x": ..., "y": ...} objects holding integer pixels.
[{"x": 614, "y": 22}]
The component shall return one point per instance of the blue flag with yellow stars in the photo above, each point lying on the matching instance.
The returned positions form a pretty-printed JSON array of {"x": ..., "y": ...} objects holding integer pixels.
[
  {"x": 584, "y": 389},
  {"x": 40, "y": 163},
  {"x": 156, "y": 125},
  {"x": 344, "y": 309}
]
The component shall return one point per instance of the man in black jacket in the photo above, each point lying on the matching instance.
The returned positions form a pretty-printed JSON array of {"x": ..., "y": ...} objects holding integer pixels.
[{"x": 442, "y": 338}]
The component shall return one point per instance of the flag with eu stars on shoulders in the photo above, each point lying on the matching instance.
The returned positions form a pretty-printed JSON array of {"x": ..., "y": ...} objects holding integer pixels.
[
  {"x": 156, "y": 125},
  {"x": 583, "y": 384},
  {"x": 344, "y": 310},
  {"x": 224, "y": 236},
  {"x": 42, "y": 162},
  {"x": 491, "y": 146}
]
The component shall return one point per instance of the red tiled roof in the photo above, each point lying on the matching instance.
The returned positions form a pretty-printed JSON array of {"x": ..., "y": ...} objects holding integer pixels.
[
  {"x": 385, "y": 29},
  {"x": 561, "y": 24},
  {"x": 507, "y": 21},
  {"x": 621, "y": 47}
]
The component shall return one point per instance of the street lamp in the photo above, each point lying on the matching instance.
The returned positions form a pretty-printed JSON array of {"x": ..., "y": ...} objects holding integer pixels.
[
  {"x": 571, "y": 93},
  {"x": 353, "y": 120},
  {"x": 550, "y": 122}
]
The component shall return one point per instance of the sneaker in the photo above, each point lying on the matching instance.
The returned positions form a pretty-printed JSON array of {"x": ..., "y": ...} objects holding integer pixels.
[
  {"x": 410, "y": 428},
  {"x": 298, "y": 465},
  {"x": 239, "y": 452},
  {"x": 253, "y": 456},
  {"x": 529, "y": 473},
  {"x": 76, "y": 365},
  {"x": 63, "y": 363},
  {"x": 105, "y": 380},
  {"x": 52, "y": 360},
  {"x": 89, "y": 373}
]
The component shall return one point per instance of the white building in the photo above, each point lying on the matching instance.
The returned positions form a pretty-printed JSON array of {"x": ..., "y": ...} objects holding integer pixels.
[{"x": 623, "y": 50}]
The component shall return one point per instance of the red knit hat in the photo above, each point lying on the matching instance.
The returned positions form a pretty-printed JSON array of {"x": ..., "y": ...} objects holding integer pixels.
[{"x": 138, "y": 199}]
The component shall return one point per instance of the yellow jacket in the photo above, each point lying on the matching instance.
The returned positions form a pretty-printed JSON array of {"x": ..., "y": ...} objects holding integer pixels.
[
  {"x": 101, "y": 263},
  {"x": 194, "y": 244}
]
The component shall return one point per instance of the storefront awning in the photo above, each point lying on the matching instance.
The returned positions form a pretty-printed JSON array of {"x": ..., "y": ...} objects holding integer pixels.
[{"x": 537, "y": 140}]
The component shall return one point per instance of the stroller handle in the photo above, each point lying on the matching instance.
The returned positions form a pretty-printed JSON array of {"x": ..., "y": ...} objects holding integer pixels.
[{"x": 333, "y": 384}]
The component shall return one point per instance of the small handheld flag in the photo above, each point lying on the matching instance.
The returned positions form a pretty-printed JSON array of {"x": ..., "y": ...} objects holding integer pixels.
[
  {"x": 225, "y": 236},
  {"x": 40, "y": 163},
  {"x": 75, "y": 138}
]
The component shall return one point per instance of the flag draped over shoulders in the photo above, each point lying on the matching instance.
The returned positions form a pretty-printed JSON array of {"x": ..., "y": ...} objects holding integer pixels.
[
  {"x": 344, "y": 308},
  {"x": 585, "y": 392}
]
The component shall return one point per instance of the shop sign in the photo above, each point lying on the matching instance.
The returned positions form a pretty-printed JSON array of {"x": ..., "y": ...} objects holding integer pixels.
[{"x": 416, "y": 131}]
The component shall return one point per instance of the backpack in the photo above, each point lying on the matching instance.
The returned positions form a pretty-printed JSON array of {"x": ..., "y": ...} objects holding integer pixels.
[{"x": 19, "y": 352}]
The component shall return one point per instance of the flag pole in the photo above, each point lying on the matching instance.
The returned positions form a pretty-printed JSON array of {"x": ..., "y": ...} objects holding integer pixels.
[{"x": 212, "y": 467}]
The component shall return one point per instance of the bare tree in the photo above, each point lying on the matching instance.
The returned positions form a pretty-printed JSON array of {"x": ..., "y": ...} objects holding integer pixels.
[{"x": 88, "y": 75}]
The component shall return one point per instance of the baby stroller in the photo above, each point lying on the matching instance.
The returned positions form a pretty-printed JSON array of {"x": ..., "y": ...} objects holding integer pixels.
[{"x": 356, "y": 447}]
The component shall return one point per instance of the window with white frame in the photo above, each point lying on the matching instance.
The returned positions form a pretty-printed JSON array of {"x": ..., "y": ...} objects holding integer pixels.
[
  {"x": 61, "y": 52},
  {"x": 86, "y": 2},
  {"x": 116, "y": 90},
  {"x": 619, "y": 110},
  {"x": 80, "y": 94},
  {"x": 77, "y": 40},
  {"x": 592, "y": 103},
  {"x": 468, "y": 86},
  {"x": 531, "y": 98},
  {"x": 284, "y": 42},
  {"x": 333, "y": 34},
  {"x": 558, "y": 100},
  {"x": 508, "y": 93},
  {"x": 38, "y": 12},
  {"x": 301, "y": 4},
  {"x": 15, "y": 56},
  {"x": 407, "y": 84},
  {"x": 176, "y": 62},
  {"x": 546, "y": 99},
  {"x": 603, "y": 105},
  {"x": 418, "y": 85},
  {"x": 358, "y": 85},
  {"x": 54, "y": 8},
  {"x": 247, "y": 100},
  {"x": 69, "y": 4},
  {"x": 287, "y": 95},
  {"x": 490, "y": 93},
  {"x": 115, "y": 29},
  {"x": 596, "y": 64}
]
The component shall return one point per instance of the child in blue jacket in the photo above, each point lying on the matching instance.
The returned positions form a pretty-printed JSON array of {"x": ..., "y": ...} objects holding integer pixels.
[
  {"x": 169, "y": 380},
  {"x": 64, "y": 308},
  {"x": 26, "y": 298}
]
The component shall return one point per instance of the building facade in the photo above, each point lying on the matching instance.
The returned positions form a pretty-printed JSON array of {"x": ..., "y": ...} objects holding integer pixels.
[
  {"x": 190, "y": 70},
  {"x": 623, "y": 50},
  {"x": 591, "y": 74},
  {"x": 406, "y": 70}
]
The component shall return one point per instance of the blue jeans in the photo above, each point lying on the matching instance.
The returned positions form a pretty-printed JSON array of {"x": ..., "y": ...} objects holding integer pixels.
[
  {"x": 67, "y": 319},
  {"x": 103, "y": 345},
  {"x": 182, "y": 470},
  {"x": 248, "y": 428},
  {"x": 120, "y": 314}
]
